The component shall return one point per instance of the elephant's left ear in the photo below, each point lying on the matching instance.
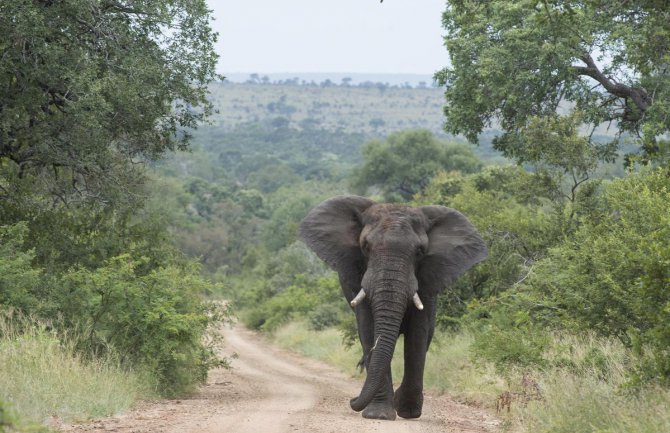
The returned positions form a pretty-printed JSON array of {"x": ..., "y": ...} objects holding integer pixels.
[{"x": 454, "y": 246}]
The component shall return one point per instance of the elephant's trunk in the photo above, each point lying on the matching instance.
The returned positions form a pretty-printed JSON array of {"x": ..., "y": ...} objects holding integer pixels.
[{"x": 388, "y": 308}]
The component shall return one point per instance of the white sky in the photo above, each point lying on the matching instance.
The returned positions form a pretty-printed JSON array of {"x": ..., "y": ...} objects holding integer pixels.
[{"x": 361, "y": 36}]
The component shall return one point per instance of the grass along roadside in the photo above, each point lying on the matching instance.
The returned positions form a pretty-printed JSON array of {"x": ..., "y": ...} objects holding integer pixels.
[
  {"x": 43, "y": 379},
  {"x": 582, "y": 388},
  {"x": 448, "y": 364}
]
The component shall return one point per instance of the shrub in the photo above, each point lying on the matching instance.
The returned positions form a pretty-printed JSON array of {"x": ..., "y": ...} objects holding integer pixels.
[
  {"x": 10, "y": 422},
  {"x": 156, "y": 321},
  {"x": 325, "y": 316},
  {"x": 510, "y": 347},
  {"x": 305, "y": 298},
  {"x": 18, "y": 279},
  {"x": 613, "y": 275},
  {"x": 152, "y": 316},
  {"x": 517, "y": 225}
]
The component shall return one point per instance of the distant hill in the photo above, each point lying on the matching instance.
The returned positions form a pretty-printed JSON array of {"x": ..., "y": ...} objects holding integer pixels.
[
  {"x": 370, "y": 108},
  {"x": 413, "y": 80}
]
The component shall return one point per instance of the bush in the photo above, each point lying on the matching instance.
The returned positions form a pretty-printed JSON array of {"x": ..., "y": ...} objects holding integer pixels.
[
  {"x": 404, "y": 164},
  {"x": 613, "y": 275},
  {"x": 317, "y": 298},
  {"x": 508, "y": 348},
  {"x": 10, "y": 423},
  {"x": 152, "y": 317},
  {"x": 18, "y": 279},
  {"x": 157, "y": 321},
  {"x": 325, "y": 316}
]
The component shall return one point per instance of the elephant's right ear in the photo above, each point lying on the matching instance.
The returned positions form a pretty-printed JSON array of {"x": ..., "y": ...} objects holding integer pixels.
[{"x": 332, "y": 231}]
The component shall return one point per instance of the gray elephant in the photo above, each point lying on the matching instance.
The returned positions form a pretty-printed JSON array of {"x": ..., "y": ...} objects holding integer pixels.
[{"x": 392, "y": 262}]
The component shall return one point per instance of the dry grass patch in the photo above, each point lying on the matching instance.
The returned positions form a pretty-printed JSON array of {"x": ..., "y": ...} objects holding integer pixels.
[{"x": 41, "y": 377}]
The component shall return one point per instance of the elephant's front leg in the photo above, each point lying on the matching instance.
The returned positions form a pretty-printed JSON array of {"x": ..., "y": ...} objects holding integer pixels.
[
  {"x": 408, "y": 399},
  {"x": 381, "y": 406}
]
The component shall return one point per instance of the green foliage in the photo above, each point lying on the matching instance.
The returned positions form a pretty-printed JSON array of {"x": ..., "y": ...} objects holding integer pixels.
[
  {"x": 403, "y": 165},
  {"x": 213, "y": 221},
  {"x": 306, "y": 298},
  {"x": 348, "y": 329},
  {"x": 280, "y": 270},
  {"x": 325, "y": 316},
  {"x": 554, "y": 141},
  {"x": 608, "y": 274},
  {"x": 612, "y": 275},
  {"x": 291, "y": 207},
  {"x": 17, "y": 277},
  {"x": 241, "y": 193},
  {"x": 512, "y": 61},
  {"x": 9, "y": 423},
  {"x": 508, "y": 344},
  {"x": 151, "y": 316},
  {"x": 91, "y": 91},
  {"x": 155, "y": 321},
  {"x": 91, "y": 88},
  {"x": 267, "y": 155}
]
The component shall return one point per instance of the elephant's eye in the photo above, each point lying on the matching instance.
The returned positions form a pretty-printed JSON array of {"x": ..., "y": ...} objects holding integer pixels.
[
  {"x": 365, "y": 246},
  {"x": 421, "y": 250}
]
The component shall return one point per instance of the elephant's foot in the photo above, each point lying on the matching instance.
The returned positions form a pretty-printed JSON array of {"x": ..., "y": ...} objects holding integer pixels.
[
  {"x": 408, "y": 404},
  {"x": 380, "y": 410}
]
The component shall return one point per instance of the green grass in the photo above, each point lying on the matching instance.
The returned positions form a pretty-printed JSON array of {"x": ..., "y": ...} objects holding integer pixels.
[
  {"x": 42, "y": 376},
  {"x": 592, "y": 392},
  {"x": 590, "y": 404},
  {"x": 584, "y": 389},
  {"x": 323, "y": 345},
  {"x": 450, "y": 368},
  {"x": 448, "y": 365}
]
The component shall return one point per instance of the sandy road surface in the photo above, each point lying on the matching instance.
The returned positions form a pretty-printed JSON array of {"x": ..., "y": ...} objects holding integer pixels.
[{"x": 272, "y": 391}]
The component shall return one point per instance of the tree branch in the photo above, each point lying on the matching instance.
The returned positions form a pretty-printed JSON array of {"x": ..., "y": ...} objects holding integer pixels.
[{"x": 638, "y": 95}]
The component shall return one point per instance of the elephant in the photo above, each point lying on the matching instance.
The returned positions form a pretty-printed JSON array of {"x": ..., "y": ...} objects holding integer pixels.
[{"x": 392, "y": 261}]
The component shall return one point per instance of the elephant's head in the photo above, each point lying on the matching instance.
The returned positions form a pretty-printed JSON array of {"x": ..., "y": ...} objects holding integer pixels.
[{"x": 390, "y": 256}]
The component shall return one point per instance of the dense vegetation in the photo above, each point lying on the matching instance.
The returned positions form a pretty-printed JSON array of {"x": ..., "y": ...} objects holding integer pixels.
[
  {"x": 544, "y": 227},
  {"x": 92, "y": 92}
]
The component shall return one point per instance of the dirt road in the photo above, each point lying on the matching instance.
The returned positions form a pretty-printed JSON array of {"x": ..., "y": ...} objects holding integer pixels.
[{"x": 272, "y": 391}]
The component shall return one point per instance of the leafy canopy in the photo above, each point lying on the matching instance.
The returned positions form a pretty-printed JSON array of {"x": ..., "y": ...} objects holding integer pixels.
[
  {"x": 404, "y": 164},
  {"x": 89, "y": 86},
  {"x": 512, "y": 61}
]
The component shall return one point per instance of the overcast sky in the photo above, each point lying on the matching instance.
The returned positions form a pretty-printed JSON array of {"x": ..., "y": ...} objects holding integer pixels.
[{"x": 361, "y": 36}]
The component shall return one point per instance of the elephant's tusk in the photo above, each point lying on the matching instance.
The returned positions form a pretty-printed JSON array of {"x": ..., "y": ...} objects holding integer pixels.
[
  {"x": 359, "y": 297},
  {"x": 417, "y": 301}
]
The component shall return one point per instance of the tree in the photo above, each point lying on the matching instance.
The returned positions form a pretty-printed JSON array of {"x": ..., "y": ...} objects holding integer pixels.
[
  {"x": 403, "y": 165},
  {"x": 512, "y": 61},
  {"x": 91, "y": 86}
]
